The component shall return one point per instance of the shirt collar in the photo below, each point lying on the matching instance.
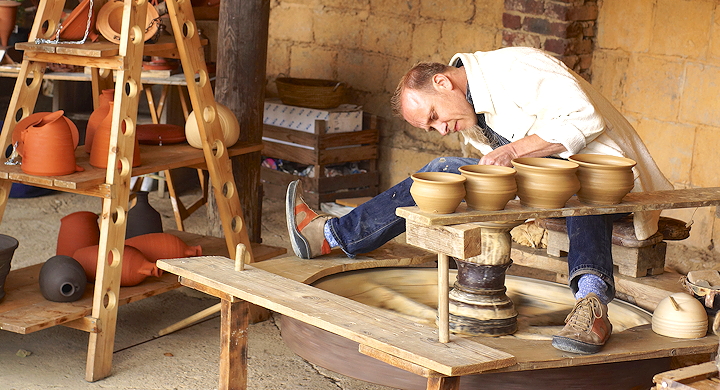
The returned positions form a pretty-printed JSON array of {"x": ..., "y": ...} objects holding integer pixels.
[{"x": 480, "y": 97}]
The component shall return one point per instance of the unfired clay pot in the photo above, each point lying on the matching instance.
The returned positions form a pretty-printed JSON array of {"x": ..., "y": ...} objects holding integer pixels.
[
  {"x": 8, "y": 15},
  {"x": 135, "y": 266},
  {"x": 603, "y": 179},
  {"x": 228, "y": 123},
  {"x": 49, "y": 147},
  {"x": 77, "y": 230},
  {"x": 97, "y": 116},
  {"x": 680, "y": 315},
  {"x": 62, "y": 279},
  {"x": 101, "y": 143},
  {"x": 488, "y": 187},
  {"x": 437, "y": 192},
  {"x": 157, "y": 246},
  {"x": 545, "y": 182}
]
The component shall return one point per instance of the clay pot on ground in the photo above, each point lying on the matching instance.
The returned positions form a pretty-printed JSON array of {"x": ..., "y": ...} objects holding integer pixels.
[
  {"x": 603, "y": 179},
  {"x": 157, "y": 246},
  {"x": 97, "y": 116},
  {"x": 101, "y": 143},
  {"x": 135, "y": 266},
  {"x": 437, "y": 192},
  {"x": 7, "y": 249},
  {"x": 48, "y": 147},
  {"x": 8, "y": 15},
  {"x": 62, "y": 279},
  {"x": 228, "y": 123},
  {"x": 545, "y": 182},
  {"x": 488, "y": 187},
  {"x": 77, "y": 230},
  {"x": 142, "y": 218}
]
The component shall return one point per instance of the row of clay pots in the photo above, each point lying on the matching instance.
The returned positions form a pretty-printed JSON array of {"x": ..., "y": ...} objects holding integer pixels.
[{"x": 538, "y": 182}]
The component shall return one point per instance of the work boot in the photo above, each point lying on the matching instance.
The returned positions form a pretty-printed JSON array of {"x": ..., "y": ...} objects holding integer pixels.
[
  {"x": 587, "y": 327},
  {"x": 306, "y": 228}
]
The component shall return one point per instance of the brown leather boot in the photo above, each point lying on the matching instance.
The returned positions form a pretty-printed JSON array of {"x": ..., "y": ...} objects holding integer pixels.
[
  {"x": 587, "y": 327},
  {"x": 305, "y": 226}
]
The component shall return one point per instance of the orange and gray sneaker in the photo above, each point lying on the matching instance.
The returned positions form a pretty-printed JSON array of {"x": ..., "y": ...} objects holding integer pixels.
[
  {"x": 587, "y": 327},
  {"x": 306, "y": 228}
]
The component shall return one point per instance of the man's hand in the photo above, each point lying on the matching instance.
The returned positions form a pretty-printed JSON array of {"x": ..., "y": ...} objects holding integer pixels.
[
  {"x": 530, "y": 146},
  {"x": 500, "y": 156}
]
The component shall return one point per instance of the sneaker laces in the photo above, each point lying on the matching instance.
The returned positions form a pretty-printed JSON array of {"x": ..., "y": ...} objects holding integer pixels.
[{"x": 583, "y": 315}]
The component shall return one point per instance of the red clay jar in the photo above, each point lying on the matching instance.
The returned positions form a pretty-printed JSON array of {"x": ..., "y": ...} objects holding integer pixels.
[
  {"x": 157, "y": 246},
  {"x": 101, "y": 143},
  {"x": 135, "y": 266},
  {"x": 8, "y": 14},
  {"x": 48, "y": 147},
  {"x": 77, "y": 230},
  {"x": 97, "y": 117}
]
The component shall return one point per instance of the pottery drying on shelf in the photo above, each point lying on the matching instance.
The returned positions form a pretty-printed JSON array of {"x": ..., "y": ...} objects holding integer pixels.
[
  {"x": 74, "y": 26},
  {"x": 228, "y": 123},
  {"x": 101, "y": 143},
  {"x": 156, "y": 246},
  {"x": 8, "y": 15},
  {"x": 48, "y": 147},
  {"x": 680, "y": 316},
  {"x": 604, "y": 179},
  {"x": 7, "y": 249},
  {"x": 33, "y": 118},
  {"x": 62, "y": 279},
  {"x": 77, "y": 230},
  {"x": 142, "y": 218},
  {"x": 109, "y": 21},
  {"x": 97, "y": 116},
  {"x": 135, "y": 266},
  {"x": 488, "y": 187},
  {"x": 160, "y": 134},
  {"x": 545, "y": 182},
  {"x": 437, "y": 192}
]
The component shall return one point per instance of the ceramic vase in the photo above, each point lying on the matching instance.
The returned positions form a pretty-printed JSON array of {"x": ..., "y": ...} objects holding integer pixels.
[
  {"x": 77, "y": 230},
  {"x": 604, "y": 179},
  {"x": 62, "y": 279},
  {"x": 135, "y": 266},
  {"x": 545, "y": 182},
  {"x": 488, "y": 187},
  {"x": 8, "y": 14},
  {"x": 97, "y": 116},
  {"x": 48, "y": 147},
  {"x": 437, "y": 192},
  {"x": 7, "y": 249},
  {"x": 157, "y": 246},
  {"x": 142, "y": 218},
  {"x": 101, "y": 143},
  {"x": 228, "y": 123}
]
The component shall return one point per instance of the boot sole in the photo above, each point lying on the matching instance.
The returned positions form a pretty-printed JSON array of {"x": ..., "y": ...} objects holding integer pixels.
[
  {"x": 575, "y": 346},
  {"x": 299, "y": 244}
]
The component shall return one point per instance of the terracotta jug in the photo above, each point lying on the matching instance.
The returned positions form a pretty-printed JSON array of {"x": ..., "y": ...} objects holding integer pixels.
[
  {"x": 437, "y": 192},
  {"x": 62, "y": 279},
  {"x": 135, "y": 267},
  {"x": 545, "y": 182},
  {"x": 48, "y": 147},
  {"x": 142, "y": 218},
  {"x": 8, "y": 14},
  {"x": 101, "y": 143},
  {"x": 488, "y": 187},
  {"x": 603, "y": 179},
  {"x": 77, "y": 230},
  {"x": 7, "y": 249},
  {"x": 97, "y": 116},
  {"x": 157, "y": 246}
]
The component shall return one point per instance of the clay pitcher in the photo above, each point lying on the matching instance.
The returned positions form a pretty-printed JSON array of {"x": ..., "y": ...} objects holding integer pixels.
[
  {"x": 488, "y": 187},
  {"x": 437, "y": 192},
  {"x": 142, "y": 218},
  {"x": 135, "y": 266},
  {"x": 101, "y": 143},
  {"x": 7, "y": 249},
  {"x": 97, "y": 116},
  {"x": 545, "y": 182},
  {"x": 48, "y": 147},
  {"x": 157, "y": 246},
  {"x": 62, "y": 279},
  {"x": 604, "y": 179},
  {"x": 8, "y": 14},
  {"x": 77, "y": 230}
]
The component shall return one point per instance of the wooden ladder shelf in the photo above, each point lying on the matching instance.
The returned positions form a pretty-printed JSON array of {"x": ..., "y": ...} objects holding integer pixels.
[{"x": 113, "y": 184}]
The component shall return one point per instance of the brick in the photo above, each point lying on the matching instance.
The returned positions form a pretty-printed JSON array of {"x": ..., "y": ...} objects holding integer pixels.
[
  {"x": 396, "y": 69},
  {"x": 312, "y": 62},
  {"x": 513, "y": 22},
  {"x": 291, "y": 22},
  {"x": 699, "y": 102},
  {"x": 584, "y": 12},
  {"x": 488, "y": 14},
  {"x": 517, "y": 38},
  {"x": 585, "y": 60},
  {"x": 581, "y": 46},
  {"x": 589, "y": 29},
  {"x": 430, "y": 31},
  {"x": 536, "y": 25},
  {"x": 610, "y": 69},
  {"x": 557, "y": 46},
  {"x": 406, "y": 8},
  {"x": 332, "y": 27},
  {"x": 561, "y": 30},
  {"x": 673, "y": 158},
  {"x": 682, "y": 28},
  {"x": 570, "y": 61},
  {"x": 534, "y": 7},
  {"x": 362, "y": 71},
  {"x": 385, "y": 35},
  {"x": 451, "y": 10},
  {"x": 625, "y": 25},
  {"x": 557, "y": 11},
  {"x": 705, "y": 172},
  {"x": 714, "y": 49},
  {"x": 653, "y": 86},
  {"x": 574, "y": 29},
  {"x": 455, "y": 39}
]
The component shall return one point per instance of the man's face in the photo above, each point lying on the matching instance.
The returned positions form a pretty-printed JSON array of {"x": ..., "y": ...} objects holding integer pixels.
[{"x": 447, "y": 110}]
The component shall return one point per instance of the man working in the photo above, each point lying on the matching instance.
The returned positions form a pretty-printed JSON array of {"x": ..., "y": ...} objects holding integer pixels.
[{"x": 508, "y": 103}]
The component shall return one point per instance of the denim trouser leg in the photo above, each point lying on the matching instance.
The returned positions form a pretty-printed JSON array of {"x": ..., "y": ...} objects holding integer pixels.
[
  {"x": 591, "y": 249},
  {"x": 374, "y": 222}
]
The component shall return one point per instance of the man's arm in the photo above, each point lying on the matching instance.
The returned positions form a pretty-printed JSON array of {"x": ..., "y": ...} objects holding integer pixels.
[{"x": 530, "y": 146}]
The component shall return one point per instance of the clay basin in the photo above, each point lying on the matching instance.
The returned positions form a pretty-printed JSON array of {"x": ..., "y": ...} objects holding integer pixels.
[
  {"x": 545, "y": 183},
  {"x": 412, "y": 292},
  {"x": 437, "y": 192},
  {"x": 488, "y": 187},
  {"x": 603, "y": 179}
]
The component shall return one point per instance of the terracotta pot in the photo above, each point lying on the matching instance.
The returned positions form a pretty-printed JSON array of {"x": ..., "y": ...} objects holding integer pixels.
[
  {"x": 62, "y": 279},
  {"x": 545, "y": 182},
  {"x": 488, "y": 187},
  {"x": 228, "y": 123},
  {"x": 77, "y": 230},
  {"x": 109, "y": 21},
  {"x": 8, "y": 14},
  {"x": 97, "y": 116},
  {"x": 48, "y": 147},
  {"x": 101, "y": 143},
  {"x": 32, "y": 119},
  {"x": 157, "y": 246},
  {"x": 135, "y": 266},
  {"x": 74, "y": 26},
  {"x": 7, "y": 249},
  {"x": 142, "y": 218},
  {"x": 603, "y": 179},
  {"x": 437, "y": 192}
]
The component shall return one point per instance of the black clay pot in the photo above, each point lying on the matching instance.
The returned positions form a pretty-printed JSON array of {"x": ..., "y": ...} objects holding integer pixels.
[
  {"x": 62, "y": 279},
  {"x": 7, "y": 249},
  {"x": 143, "y": 218}
]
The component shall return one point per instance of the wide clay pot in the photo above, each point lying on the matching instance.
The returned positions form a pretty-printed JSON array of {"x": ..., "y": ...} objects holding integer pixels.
[
  {"x": 7, "y": 249},
  {"x": 74, "y": 26},
  {"x": 488, "y": 187},
  {"x": 101, "y": 143},
  {"x": 157, "y": 246},
  {"x": 228, "y": 123},
  {"x": 603, "y": 179},
  {"x": 135, "y": 266},
  {"x": 97, "y": 116},
  {"x": 77, "y": 230},
  {"x": 62, "y": 279},
  {"x": 437, "y": 192},
  {"x": 545, "y": 183},
  {"x": 142, "y": 218},
  {"x": 48, "y": 147},
  {"x": 110, "y": 17},
  {"x": 8, "y": 14}
]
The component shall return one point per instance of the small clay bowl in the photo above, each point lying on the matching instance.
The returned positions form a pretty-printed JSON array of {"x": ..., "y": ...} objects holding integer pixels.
[
  {"x": 680, "y": 316},
  {"x": 488, "y": 187},
  {"x": 438, "y": 192},
  {"x": 604, "y": 179},
  {"x": 545, "y": 183}
]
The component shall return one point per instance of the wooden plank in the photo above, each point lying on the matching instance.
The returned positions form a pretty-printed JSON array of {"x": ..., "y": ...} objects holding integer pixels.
[
  {"x": 233, "y": 345},
  {"x": 687, "y": 375},
  {"x": 289, "y": 152},
  {"x": 347, "y": 154},
  {"x": 335, "y": 140},
  {"x": 634, "y": 201},
  {"x": 462, "y": 241},
  {"x": 366, "y": 325}
]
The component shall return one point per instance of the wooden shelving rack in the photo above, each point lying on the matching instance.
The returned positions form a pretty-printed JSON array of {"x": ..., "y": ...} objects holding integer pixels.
[{"x": 113, "y": 184}]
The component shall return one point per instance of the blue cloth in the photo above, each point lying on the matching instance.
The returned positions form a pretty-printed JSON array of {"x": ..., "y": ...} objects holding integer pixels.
[{"x": 590, "y": 283}]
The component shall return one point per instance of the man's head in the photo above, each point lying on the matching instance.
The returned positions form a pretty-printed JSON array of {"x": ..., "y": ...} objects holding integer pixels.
[{"x": 431, "y": 96}]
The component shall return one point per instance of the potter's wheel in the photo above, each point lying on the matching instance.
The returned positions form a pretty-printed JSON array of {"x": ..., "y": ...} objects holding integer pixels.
[{"x": 412, "y": 292}]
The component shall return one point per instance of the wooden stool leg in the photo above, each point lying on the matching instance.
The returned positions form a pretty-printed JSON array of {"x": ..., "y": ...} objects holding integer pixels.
[
  {"x": 444, "y": 383},
  {"x": 233, "y": 343}
]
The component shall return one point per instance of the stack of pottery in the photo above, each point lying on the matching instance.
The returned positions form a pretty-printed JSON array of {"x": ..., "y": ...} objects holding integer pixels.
[
  {"x": 100, "y": 149},
  {"x": 62, "y": 279},
  {"x": 488, "y": 187},
  {"x": 545, "y": 182},
  {"x": 437, "y": 192},
  {"x": 47, "y": 142},
  {"x": 7, "y": 249},
  {"x": 604, "y": 180}
]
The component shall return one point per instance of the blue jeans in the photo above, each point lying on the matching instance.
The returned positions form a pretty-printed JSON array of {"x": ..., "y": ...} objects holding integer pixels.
[{"x": 373, "y": 223}]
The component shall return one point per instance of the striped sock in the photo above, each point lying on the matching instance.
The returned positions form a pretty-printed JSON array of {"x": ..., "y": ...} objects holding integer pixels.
[
  {"x": 590, "y": 283},
  {"x": 329, "y": 237}
]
